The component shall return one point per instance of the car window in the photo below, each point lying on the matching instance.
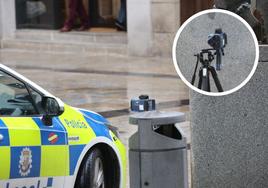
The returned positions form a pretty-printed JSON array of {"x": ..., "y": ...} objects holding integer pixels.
[{"x": 15, "y": 99}]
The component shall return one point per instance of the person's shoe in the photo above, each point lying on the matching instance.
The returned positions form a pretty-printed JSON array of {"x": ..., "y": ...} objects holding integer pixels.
[
  {"x": 120, "y": 27},
  {"x": 83, "y": 28},
  {"x": 65, "y": 29}
]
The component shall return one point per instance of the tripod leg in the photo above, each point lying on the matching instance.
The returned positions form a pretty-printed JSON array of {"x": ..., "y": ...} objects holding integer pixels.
[
  {"x": 216, "y": 78},
  {"x": 200, "y": 79},
  {"x": 205, "y": 80},
  {"x": 193, "y": 78},
  {"x": 204, "y": 83}
]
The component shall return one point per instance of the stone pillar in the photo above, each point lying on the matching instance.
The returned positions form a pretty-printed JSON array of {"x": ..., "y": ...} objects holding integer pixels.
[
  {"x": 7, "y": 18},
  {"x": 152, "y": 25},
  {"x": 139, "y": 27},
  {"x": 165, "y": 23},
  {"x": 1, "y": 23},
  {"x": 230, "y": 135}
]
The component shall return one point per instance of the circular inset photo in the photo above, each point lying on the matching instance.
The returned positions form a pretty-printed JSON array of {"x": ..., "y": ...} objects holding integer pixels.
[{"x": 215, "y": 52}]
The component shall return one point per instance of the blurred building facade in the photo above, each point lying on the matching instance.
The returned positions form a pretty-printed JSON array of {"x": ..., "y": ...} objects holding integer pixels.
[{"x": 152, "y": 24}]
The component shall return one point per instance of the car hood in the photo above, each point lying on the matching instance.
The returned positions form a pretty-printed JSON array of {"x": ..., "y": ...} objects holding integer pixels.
[{"x": 94, "y": 116}]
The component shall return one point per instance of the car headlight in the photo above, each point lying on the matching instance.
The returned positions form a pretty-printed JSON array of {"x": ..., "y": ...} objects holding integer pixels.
[{"x": 113, "y": 129}]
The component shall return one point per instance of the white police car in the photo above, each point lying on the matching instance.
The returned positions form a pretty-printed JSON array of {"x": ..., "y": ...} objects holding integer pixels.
[{"x": 45, "y": 143}]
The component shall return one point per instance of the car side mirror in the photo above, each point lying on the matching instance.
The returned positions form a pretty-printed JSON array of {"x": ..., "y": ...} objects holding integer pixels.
[{"x": 51, "y": 108}]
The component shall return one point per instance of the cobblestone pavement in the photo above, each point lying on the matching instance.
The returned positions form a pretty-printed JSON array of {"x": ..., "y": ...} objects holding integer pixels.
[{"x": 104, "y": 84}]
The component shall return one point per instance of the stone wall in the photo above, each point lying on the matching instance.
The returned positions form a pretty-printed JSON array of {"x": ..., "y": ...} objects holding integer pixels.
[
  {"x": 152, "y": 25},
  {"x": 230, "y": 135},
  {"x": 165, "y": 23}
]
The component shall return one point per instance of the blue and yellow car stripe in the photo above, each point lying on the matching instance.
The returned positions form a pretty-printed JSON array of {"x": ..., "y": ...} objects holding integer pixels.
[
  {"x": 4, "y": 151},
  {"x": 54, "y": 150}
]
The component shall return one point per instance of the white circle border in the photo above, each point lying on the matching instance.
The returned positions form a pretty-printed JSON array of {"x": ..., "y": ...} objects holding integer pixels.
[{"x": 174, "y": 49}]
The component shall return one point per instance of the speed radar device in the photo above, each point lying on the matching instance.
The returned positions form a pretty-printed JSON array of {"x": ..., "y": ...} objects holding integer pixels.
[
  {"x": 218, "y": 41},
  {"x": 142, "y": 104}
]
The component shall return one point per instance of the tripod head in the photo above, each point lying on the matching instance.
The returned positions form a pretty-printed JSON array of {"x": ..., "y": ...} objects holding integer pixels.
[{"x": 205, "y": 57}]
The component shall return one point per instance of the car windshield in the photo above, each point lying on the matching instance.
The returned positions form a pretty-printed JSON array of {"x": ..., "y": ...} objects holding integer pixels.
[{"x": 15, "y": 99}]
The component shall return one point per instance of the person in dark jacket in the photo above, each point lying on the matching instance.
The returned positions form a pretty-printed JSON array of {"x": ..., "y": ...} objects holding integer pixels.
[
  {"x": 76, "y": 10},
  {"x": 231, "y": 5},
  {"x": 121, "y": 22},
  {"x": 243, "y": 9}
]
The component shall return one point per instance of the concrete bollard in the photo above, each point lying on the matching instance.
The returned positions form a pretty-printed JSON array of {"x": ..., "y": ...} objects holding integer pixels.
[{"x": 230, "y": 135}]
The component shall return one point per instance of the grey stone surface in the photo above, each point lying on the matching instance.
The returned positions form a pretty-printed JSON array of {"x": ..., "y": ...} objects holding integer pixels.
[
  {"x": 71, "y": 37},
  {"x": 65, "y": 47},
  {"x": 240, "y": 52},
  {"x": 71, "y": 42},
  {"x": 263, "y": 53},
  {"x": 8, "y": 21},
  {"x": 229, "y": 136}
]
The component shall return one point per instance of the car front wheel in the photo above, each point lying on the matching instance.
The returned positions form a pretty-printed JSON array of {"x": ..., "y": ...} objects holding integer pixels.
[{"x": 93, "y": 171}]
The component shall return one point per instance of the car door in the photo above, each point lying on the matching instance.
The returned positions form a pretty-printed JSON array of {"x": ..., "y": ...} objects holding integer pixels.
[{"x": 35, "y": 154}]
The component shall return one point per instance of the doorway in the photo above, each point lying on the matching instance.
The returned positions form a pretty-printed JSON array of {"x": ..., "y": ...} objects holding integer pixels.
[
  {"x": 103, "y": 13},
  {"x": 190, "y": 7}
]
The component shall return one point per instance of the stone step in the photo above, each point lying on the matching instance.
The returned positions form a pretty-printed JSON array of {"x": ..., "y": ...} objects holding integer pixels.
[
  {"x": 73, "y": 36},
  {"x": 64, "y": 46}
]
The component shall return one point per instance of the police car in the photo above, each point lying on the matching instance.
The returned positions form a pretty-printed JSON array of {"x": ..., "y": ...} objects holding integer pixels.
[{"x": 45, "y": 143}]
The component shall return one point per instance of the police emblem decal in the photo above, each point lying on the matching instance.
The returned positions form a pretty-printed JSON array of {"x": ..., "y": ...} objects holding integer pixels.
[
  {"x": 53, "y": 138},
  {"x": 25, "y": 163}
]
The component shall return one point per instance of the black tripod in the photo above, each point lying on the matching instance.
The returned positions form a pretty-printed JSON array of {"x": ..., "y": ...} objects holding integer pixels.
[{"x": 205, "y": 57}]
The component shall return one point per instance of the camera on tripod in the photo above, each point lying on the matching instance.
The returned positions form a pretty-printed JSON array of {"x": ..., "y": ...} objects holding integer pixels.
[{"x": 218, "y": 42}]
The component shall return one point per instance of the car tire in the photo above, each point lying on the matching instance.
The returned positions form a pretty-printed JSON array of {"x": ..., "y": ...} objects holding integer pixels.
[{"x": 93, "y": 171}]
